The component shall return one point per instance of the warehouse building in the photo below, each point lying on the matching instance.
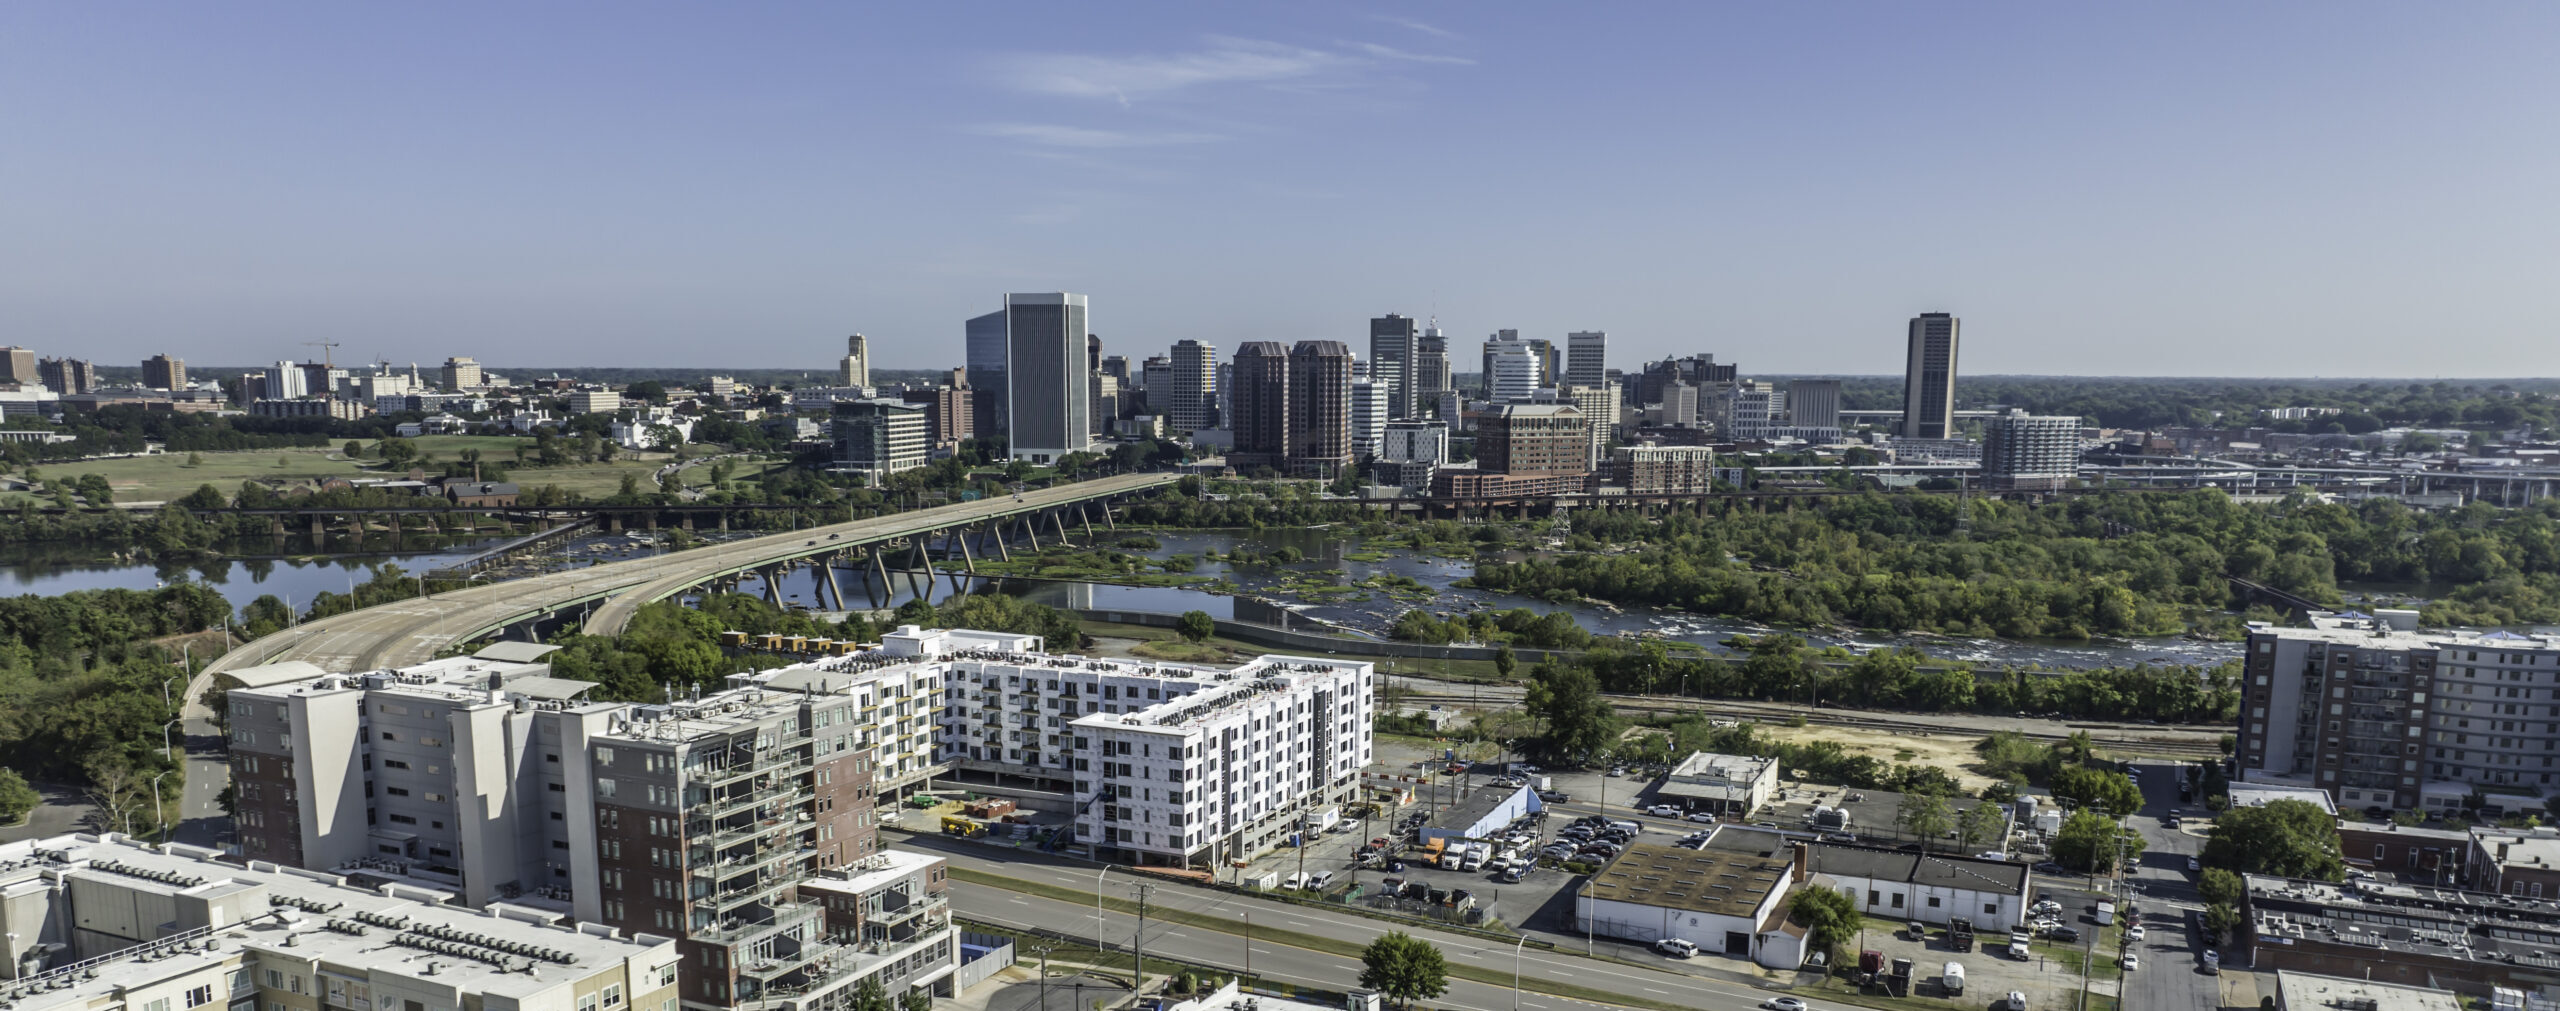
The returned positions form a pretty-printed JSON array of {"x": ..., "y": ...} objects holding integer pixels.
[
  {"x": 1729, "y": 898},
  {"x": 1927, "y": 887}
]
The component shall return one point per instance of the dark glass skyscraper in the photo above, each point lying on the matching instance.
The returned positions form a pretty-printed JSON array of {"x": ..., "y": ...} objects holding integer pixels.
[
  {"x": 986, "y": 373},
  {"x": 1391, "y": 355},
  {"x": 1929, "y": 378}
]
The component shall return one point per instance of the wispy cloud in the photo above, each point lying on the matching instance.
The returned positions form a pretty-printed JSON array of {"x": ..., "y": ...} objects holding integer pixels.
[
  {"x": 1426, "y": 29},
  {"x": 1124, "y": 78},
  {"x": 1392, "y": 53},
  {"x": 1056, "y": 135}
]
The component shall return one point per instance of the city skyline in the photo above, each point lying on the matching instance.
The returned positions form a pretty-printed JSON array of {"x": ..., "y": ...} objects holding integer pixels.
[{"x": 701, "y": 189}]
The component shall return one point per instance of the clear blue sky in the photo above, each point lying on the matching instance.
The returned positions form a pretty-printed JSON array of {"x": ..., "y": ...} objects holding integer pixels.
[{"x": 2157, "y": 189}]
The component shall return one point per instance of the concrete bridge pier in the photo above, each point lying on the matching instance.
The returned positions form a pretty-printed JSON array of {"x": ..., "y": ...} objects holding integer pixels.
[
  {"x": 880, "y": 569},
  {"x": 834, "y": 588},
  {"x": 1085, "y": 517},
  {"x": 1058, "y": 523},
  {"x": 1031, "y": 532},
  {"x": 773, "y": 585}
]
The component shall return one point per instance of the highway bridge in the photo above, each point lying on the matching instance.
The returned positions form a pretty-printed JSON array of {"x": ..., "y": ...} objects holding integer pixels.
[{"x": 412, "y": 631}]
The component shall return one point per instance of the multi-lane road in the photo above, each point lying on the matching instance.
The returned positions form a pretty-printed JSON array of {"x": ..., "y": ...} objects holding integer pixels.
[{"x": 1225, "y": 949}]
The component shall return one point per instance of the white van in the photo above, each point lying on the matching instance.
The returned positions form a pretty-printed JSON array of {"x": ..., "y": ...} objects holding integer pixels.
[
  {"x": 1953, "y": 979},
  {"x": 1628, "y": 827}
]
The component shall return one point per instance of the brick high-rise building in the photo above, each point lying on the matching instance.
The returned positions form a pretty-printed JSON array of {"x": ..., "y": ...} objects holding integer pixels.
[
  {"x": 1260, "y": 413},
  {"x": 18, "y": 365},
  {"x": 1319, "y": 424},
  {"x": 161, "y": 372},
  {"x": 68, "y": 375},
  {"x": 1537, "y": 440},
  {"x": 949, "y": 412}
]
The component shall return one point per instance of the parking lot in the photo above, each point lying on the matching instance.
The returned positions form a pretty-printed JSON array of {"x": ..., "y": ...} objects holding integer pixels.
[{"x": 2049, "y": 977}]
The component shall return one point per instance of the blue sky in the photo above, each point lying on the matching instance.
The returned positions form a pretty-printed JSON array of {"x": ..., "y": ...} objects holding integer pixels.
[{"x": 2154, "y": 189}]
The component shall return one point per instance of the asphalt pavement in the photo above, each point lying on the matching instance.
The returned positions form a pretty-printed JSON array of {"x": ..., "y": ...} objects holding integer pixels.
[
  {"x": 1226, "y": 950},
  {"x": 2172, "y": 977}
]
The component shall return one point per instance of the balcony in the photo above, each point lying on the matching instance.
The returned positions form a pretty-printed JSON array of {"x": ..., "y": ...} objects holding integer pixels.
[
  {"x": 823, "y": 980},
  {"x": 743, "y": 930}
]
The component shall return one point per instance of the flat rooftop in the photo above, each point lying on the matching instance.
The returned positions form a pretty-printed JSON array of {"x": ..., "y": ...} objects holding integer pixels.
[
  {"x": 1722, "y": 880},
  {"x": 2302, "y": 991},
  {"x": 2262, "y": 794},
  {"x": 325, "y": 919},
  {"x": 2410, "y": 919}
]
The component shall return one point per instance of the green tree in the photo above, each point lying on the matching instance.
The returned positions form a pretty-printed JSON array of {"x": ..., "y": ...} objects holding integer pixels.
[
  {"x": 16, "y": 797},
  {"x": 1981, "y": 824},
  {"x": 1505, "y": 661},
  {"x": 2112, "y": 793},
  {"x": 1197, "y": 626},
  {"x": 2093, "y": 842},
  {"x": 1404, "y": 968},
  {"x": 1580, "y": 722},
  {"x": 916, "y": 999},
  {"x": 2218, "y": 885},
  {"x": 1830, "y": 919},
  {"x": 1924, "y": 816},
  {"x": 353, "y": 450},
  {"x": 2219, "y": 918},
  {"x": 870, "y": 996},
  {"x": 2285, "y": 838},
  {"x": 197, "y": 459}
]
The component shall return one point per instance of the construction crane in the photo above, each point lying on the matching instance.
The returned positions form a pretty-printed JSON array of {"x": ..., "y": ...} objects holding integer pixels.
[{"x": 327, "y": 352}]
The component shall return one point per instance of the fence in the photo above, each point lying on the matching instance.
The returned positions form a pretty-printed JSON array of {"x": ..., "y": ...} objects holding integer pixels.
[{"x": 994, "y": 955}]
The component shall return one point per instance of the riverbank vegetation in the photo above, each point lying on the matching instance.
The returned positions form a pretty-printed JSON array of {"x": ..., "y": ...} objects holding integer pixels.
[{"x": 84, "y": 692}]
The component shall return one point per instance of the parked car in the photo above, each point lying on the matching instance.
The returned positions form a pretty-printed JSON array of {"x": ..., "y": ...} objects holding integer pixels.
[
  {"x": 2063, "y": 933},
  {"x": 2133, "y": 934},
  {"x": 2017, "y": 1000},
  {"x": 2212, "y": 962},
  {"x": 1675, "y": 947},
  {"x": 1783, "y": 1004},
  {"x": 2194, "y": 864},
  {"x": 2132, "y": 960}
]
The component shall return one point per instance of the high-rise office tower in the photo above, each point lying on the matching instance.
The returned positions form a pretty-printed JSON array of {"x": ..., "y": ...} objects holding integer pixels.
[
  {"x": 1513, "y": 369},
  {"x": 1929, "y": 378},
  {"x": 1500, "y": 339},
  {"x": 1155, "y": 383},
  {"x": 1105, "y": 385},
  {"x": 1047, "y": 370},
  {"x": 877, "y": 438},
  {"x": 68, "y": 375},
  {"x": 1391, "y": 361},
  {"x": 18, "y": 365},
  {"x": 855, "y": 369},
  {"x": 1814, "y": 404},
  {"x": 1191, "y": 393},
  {"x": 1319, "y": 409},
  {"x": 1430, "y": 369},
  {"x": 1586, "y": 358},
  {"x": 2029, "y": 451},
  {"x": 1258, "y": 410},
  {"x": 986, "y": 339},
  {"x": 1368, "y": 416},
  {"x": 161, "y": 372},
  {"x": 1599, "y": 407}
]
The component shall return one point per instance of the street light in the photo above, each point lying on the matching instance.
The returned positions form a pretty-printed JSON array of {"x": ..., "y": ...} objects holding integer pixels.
[
  {"x": 1099, "y": 947},
  {"x": 157, "y": 808},
  {"x": 1515, "y": 971}
]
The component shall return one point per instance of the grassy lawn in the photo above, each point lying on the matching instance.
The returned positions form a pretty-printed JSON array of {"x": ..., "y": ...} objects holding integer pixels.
[{"x": 167, "y": 476}]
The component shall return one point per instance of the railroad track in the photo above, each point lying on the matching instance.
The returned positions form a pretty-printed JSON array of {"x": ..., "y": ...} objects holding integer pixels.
[{"x": 2117, "y": 738}]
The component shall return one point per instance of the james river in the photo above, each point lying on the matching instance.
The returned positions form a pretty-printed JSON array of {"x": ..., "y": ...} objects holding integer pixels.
[{"x": 298, "y": 579}]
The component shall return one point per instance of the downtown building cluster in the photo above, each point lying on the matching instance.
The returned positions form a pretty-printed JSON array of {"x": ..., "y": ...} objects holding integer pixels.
[{"x": 743, "y": 824}]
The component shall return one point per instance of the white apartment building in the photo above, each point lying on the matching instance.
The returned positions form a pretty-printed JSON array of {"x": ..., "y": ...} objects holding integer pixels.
[
  {"x": 1412, "y": 441},
  {"x": 1369, "y": 406},
  {"x": 1169, "y": 764},
  {"x": 101, "y": 923},
  {"x": 1518, "y": 369}
]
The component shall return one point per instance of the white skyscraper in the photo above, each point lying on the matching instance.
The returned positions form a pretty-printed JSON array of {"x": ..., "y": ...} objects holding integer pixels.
[
  {"x": 1514, "y": 369},
  {"x": 286, "y": 381},
  {"x": 855, "y": 369},
  {"x": 1369, "y": 409}
]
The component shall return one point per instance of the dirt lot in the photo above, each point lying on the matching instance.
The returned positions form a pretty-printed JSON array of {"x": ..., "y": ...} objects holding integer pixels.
[{"x": 1952, "y": 752}]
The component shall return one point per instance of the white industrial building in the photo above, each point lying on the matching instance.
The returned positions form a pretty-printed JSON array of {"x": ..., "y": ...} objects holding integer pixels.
[
  {"x": 101, "y": 923},
  {"x": 1926, "y": 887},
  {"x": 1725, "y": 784},
  {"x": 1729, "y": 898}
]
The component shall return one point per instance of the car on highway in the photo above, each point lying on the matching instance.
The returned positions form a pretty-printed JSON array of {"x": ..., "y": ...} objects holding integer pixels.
[
  {"x": 1783, "y": 1004},
  {"x": 1675, "y": 947}
]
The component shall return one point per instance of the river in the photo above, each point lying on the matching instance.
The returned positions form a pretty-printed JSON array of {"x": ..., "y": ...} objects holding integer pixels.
[{"x": 1371, "y": 611}]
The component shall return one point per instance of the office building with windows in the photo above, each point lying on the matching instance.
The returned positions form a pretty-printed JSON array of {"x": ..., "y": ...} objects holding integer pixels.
[
  {"x": 986, "y": 356},
  {"x": 1586, "y": 357},
  {"x": 460, "y": 373},
  {"x": 1259, "y": 410},
  {"x": 1813, "y": 409},
  {"x": 1369, "y": 408},
  {"x": 1391, "y": 361},
  {"x": 18, "y": 365},
  {"x": 877, "y": 438},
  {"x": 854, "y": 369},
  {"x": 1319, "y": 410},
  {"x": 105, "y": 923},
  {"x": 1929, "y": 377},
  {"x": 69, "y": 376},
  {"x": 1513, "y": 369},
  {"x": 1191, "y": 399},
  {"x": 1430, "y": 369},
  {"x": 1047, "y": 376},
  {"x": 2030, "y": 451}
]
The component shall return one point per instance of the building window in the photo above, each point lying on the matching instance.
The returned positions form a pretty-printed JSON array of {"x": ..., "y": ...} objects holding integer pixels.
[{"x": 199, "y": 996}]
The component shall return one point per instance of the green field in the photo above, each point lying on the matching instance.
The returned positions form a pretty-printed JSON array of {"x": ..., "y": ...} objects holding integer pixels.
[{"x": 168, "y": 476}]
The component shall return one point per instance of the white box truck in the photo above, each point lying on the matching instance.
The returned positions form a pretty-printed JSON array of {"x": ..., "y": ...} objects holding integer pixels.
[
  {"x": 2106, "y": 913},
  {"x": 1323, "y": 819},
  {"x": 1953, "y": 979}
]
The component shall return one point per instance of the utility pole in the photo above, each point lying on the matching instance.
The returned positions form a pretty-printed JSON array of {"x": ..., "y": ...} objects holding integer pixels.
[
  {"x": 1137, "y": 946},
  {"x": 1044, "y": 976}
]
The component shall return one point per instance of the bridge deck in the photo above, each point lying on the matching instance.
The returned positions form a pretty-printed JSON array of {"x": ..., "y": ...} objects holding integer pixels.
[{"x": 412, "y": 631}]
